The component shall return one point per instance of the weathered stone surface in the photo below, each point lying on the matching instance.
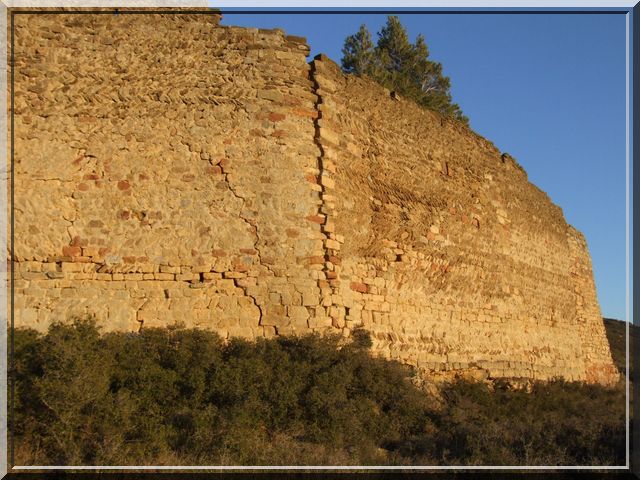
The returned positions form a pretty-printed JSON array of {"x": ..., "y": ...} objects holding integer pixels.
[
  {"x": 476, "y": 267},
  {"x": 208, "y": 175}
]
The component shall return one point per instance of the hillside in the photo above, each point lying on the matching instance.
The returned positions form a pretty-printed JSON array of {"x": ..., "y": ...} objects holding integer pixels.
[{"x": 616, "y": 334}]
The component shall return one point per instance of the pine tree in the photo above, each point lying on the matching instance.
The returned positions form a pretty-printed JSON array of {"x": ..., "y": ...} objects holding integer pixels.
[
  {"x": 358, "y": 53},
  {"x": 401, "y": 66},
  {"x": 395, "y": 55}
]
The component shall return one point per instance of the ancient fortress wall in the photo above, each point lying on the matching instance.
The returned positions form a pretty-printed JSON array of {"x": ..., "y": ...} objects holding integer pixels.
[
  {"x": 168, "y": 169},
  {"x": 451, "y": 257},
  {"x": 160, "y": 174}
]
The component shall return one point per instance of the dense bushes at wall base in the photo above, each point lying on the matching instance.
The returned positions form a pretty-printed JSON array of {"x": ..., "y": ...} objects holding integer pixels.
[{"x": 182, "y": 396}]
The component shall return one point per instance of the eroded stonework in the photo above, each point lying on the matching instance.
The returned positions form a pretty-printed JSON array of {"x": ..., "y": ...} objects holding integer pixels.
[{"x": 169, "y": 169}]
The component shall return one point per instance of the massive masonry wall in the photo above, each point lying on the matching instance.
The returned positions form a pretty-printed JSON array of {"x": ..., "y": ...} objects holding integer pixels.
[
  {"x": 451, "y": 257},
  {"x": 168, "y": 169},
  {"x": 160, "y": 174}
]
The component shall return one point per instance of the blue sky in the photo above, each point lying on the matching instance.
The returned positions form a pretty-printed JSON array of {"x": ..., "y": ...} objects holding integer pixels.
[{"x": 549, "y": 89}]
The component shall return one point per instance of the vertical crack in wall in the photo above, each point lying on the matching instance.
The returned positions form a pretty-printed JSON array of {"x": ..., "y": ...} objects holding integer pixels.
[
  {"x": 256, "y": 247},
  {"x": 329, "y": 285},
  {"x": 138, "y": 319}
]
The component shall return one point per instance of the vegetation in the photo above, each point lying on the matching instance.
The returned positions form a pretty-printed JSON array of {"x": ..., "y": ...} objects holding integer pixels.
[
  {"x": 617, "y": 336},
  {"x": 401, "y": 66},
  {"x": 183, "y": 396}
]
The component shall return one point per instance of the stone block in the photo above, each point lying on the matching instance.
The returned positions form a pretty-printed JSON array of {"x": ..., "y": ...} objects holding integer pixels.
[{"x": 297, "y": 312}]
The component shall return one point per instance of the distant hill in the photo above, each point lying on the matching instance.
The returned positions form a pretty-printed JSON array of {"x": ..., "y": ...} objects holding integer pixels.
[{"x": 616, "y": 334}]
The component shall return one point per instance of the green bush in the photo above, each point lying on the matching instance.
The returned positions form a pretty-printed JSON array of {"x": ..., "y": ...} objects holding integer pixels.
[
  {"x": 183, "y": 396},
  {"x": 557, "y": 423}
]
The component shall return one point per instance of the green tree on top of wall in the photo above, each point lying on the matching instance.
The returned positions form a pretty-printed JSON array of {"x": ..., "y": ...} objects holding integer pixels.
[{"x": 401, "y": 66}]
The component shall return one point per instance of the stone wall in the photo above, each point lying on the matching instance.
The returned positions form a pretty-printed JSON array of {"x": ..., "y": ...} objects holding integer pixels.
[
  {"x": 451, "y": 257},
  {"x": 160, "y": 168},
  {"x": 168, "y": 169}
]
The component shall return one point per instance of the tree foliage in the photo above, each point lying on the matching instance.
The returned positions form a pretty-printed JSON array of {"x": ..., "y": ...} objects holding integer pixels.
[{"x": 401, "y": 66}]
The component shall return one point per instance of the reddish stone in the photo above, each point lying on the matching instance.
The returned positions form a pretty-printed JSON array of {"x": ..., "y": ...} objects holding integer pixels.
[
  {"x": 194, "y": 253},
  {"x": 331, "y": 275},
  {"x": 279, "y": 134},
  {"x": 240, "y": 267},
  {"x": 78, "y": 242},
  {"x": 123, "y": 185},
  {"x": 143, "y": 259},
  {"x": 335, "y": 260},
  {"x": 218, "y": 253},
  {"x": 335, "y": 283},
  {"x": 359, "y": 287},
  {"x": 292, "y": 232},
  {"x": 143, "y": 176},
  {"x": 124, "y": 214},
  {"x": 323, "y": 284},
  {"x": 276, "y": 117},
  {"x": 248, "y": 251},
  {"x": 129, "y": 259},
  {"x": 95, "y": 223},
  {"x": 228, "y": 141},
  {"x": 315, "y": 260},
  {"x": 431, "y": 236},
  {"x": 214, "y": 170},
  {"x": 71, "y": 251},
  {"x": 453, "y": 211},
  {"x": 316, "y": 219},
  {"x": 224, "y": 163},
  {"x": 309, "y": 177},
  {"x": 301, "y": 112},
  {"x": 91, "y": 176},
  {"x": 188, "y": 177},
  {"x": 103, "y": 251},
  {"x": 83, "y": 187}
]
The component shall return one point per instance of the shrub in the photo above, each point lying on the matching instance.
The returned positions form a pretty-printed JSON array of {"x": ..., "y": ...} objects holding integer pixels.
[{"x": 183, "y": 396}]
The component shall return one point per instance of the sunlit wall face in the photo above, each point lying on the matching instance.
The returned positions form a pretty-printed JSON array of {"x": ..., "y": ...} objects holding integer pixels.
[{"x": 547, "y": 88}]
